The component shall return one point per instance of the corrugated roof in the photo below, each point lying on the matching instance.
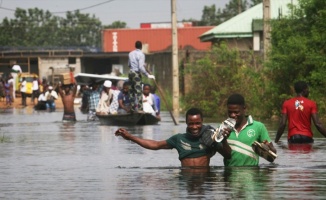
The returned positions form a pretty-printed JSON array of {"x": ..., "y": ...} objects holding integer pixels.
[
  {"x": 158, "y": 39},
  {"x": 241, "y": 25}
]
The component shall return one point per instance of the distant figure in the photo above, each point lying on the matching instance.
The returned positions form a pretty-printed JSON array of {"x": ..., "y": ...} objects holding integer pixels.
[
  {"x": 149, "y": 103},
  {"x": 93, "y": 99},
  {"x": 12, "y": 88},
  {"x": 15, "y": 70},
  {"x": 2, "y": 89},
  {"x": 84, "y": 103},
  {"x": 23, "y": 89},
  {"x": 105, "y": 99},
  {"x": 8, "y": 93},
  {"x": 68, "y": 94},
  {"x": 136, "y": 64},
  {"x": 157, "y": 99},
  {"x": 114, "y": 106},
  {"x": 35, "y": 88},
  {"x": 44, "y": 84},
  {"x": 299, "y": 111},
  {"x": 124, "y": 99},
  {"x": 51, "y": 96},
  {"x": 41, "y": 102}
]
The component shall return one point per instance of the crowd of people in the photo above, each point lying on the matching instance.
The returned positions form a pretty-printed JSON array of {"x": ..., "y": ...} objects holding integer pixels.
[{"x": 114, "y": 97}]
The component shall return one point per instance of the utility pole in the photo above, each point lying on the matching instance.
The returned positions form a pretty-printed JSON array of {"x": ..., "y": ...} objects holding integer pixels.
[
  {"x": 175, "y": 66},
  {"x": 239, "y": 6},
  {"x": 267, "y": 27}
]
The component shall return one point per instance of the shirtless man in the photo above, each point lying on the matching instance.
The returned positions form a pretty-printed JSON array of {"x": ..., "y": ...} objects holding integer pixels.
[
  {"x": 192, "y": 153},
  {"x": 68, "y": 96}
]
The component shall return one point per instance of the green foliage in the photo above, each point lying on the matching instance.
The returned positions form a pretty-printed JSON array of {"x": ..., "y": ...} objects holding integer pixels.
[
  {"x": 212, "y": 16},
  {"x": 38, "y": 28},
  {"x": 298, "y": 53},
  {"x": 116, "y": 24},
  {"x": 222, "y": 72}
]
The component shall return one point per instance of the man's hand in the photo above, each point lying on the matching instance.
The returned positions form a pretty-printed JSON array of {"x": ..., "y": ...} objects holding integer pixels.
[
  {"x": 151, "y": 76},
  {"x": 123, "y": 133}
]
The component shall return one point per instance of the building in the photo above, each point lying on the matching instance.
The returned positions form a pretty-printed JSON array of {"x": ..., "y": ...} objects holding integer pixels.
[
  {"x": 117, "y": 43},
  {"x": 245, "y": 31}
]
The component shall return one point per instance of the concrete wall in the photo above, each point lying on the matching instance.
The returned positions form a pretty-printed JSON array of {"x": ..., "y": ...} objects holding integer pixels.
[{"x": 59, "y": 65}]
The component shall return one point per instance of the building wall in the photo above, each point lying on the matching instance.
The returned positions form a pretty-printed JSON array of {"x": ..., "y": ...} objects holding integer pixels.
[
  {"x": 59, "y": 65},
  {"x": 242, "y": 44},
  {"x": 155, "y": 40}
]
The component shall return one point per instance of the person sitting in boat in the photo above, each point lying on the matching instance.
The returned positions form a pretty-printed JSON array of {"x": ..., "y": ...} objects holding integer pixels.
[
  {"x": 192, "y": 152},
  {"x": 105, "y": 99},
  {"x": 116, "y": 88},
  {"x": 149, "y": 103},
  {"x": 124, "y": 99},
  {"x": 157, "y": 99}
]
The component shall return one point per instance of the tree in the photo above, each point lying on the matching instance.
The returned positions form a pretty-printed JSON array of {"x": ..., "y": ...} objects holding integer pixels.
[
  {"x": 211, "y": 16},
  {"x": 116, "y": 24},
  {"x": 36, "y": 28},
  {"x": 298, "y": 52}
]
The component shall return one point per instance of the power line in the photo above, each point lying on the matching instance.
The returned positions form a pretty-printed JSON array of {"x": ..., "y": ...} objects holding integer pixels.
[{"x": 92, "y": 6}]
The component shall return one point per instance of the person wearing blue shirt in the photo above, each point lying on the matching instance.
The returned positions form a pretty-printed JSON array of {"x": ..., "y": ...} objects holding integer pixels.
[{"x": 136, "y": 64}]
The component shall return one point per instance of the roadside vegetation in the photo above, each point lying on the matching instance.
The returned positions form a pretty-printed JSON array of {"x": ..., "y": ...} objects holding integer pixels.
[{"x": 297, "y": 53}]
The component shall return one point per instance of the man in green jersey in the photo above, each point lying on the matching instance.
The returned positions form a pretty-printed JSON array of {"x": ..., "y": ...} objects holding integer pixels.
[
  {"x": 244, "y": 134},
  {"x": 192, "y": 153}
]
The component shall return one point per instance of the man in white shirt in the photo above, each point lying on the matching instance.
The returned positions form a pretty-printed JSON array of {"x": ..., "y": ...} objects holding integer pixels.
[
  {"x": 35, "y": 89},
  {"x": 51, "y": 96},
  {"x": 41, "y": 102},
  {"x": 15, "y": 70}
]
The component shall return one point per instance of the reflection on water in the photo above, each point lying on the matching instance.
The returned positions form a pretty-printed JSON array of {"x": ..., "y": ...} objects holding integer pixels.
[{"x": 43, "y": 158}]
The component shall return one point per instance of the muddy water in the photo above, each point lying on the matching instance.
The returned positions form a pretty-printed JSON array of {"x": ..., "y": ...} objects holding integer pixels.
[{"x": 43, "y": 158}]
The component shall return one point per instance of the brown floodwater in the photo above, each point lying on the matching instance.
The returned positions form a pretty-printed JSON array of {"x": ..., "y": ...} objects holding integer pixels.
[{"x": 43, "y": 158}]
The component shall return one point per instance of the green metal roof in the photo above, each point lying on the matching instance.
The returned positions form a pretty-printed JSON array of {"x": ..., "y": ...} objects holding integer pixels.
[{"x": 242, "y": 24}]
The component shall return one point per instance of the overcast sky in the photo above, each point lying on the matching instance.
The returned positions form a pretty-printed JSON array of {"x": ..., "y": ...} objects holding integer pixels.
[{"x": 133, "y": 12}]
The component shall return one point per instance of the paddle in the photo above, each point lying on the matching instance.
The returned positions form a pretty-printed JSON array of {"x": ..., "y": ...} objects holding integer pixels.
[
  {"x": 167, "y": 106},
  {"x": 162, "y": 95}
]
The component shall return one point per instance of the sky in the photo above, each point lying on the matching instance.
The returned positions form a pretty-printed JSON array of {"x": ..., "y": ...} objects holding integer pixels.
[{"x": 133, "y": 12}]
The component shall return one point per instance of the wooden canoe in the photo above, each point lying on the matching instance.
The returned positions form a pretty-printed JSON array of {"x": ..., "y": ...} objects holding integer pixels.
[{"x": 128, "y": 119}]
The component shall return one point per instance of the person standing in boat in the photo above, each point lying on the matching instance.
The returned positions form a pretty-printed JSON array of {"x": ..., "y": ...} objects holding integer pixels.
[
  {"x": 68, "y": 93},
  {"x": 136, "y": 64},
  {"x": 299, "y": 111},
  {"x": 192, "y": 153}
]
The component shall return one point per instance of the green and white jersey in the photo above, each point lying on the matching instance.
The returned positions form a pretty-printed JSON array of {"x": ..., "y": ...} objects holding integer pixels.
[{"x": 240, "y": 143}]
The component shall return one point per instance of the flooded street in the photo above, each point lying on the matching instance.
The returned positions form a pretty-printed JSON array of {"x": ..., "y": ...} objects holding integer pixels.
[{"x": 43, "y": 158}]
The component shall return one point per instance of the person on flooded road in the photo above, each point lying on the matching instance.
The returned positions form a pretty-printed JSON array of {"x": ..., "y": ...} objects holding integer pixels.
[
  {"x": 246, "y": 131},
  {"x": 299, "y": 111},
  {"x": 68, "y": 93},
  {"x": 192, "y": 153}
]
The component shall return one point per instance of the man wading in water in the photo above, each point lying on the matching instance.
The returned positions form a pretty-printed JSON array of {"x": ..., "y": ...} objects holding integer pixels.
[
  {"x": 192, "y": 152},
  {"x": 68, "y": 96}
]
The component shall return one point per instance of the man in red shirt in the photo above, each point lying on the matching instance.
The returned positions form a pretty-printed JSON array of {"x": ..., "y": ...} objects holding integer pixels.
[{"x": 299, "y": 111}]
